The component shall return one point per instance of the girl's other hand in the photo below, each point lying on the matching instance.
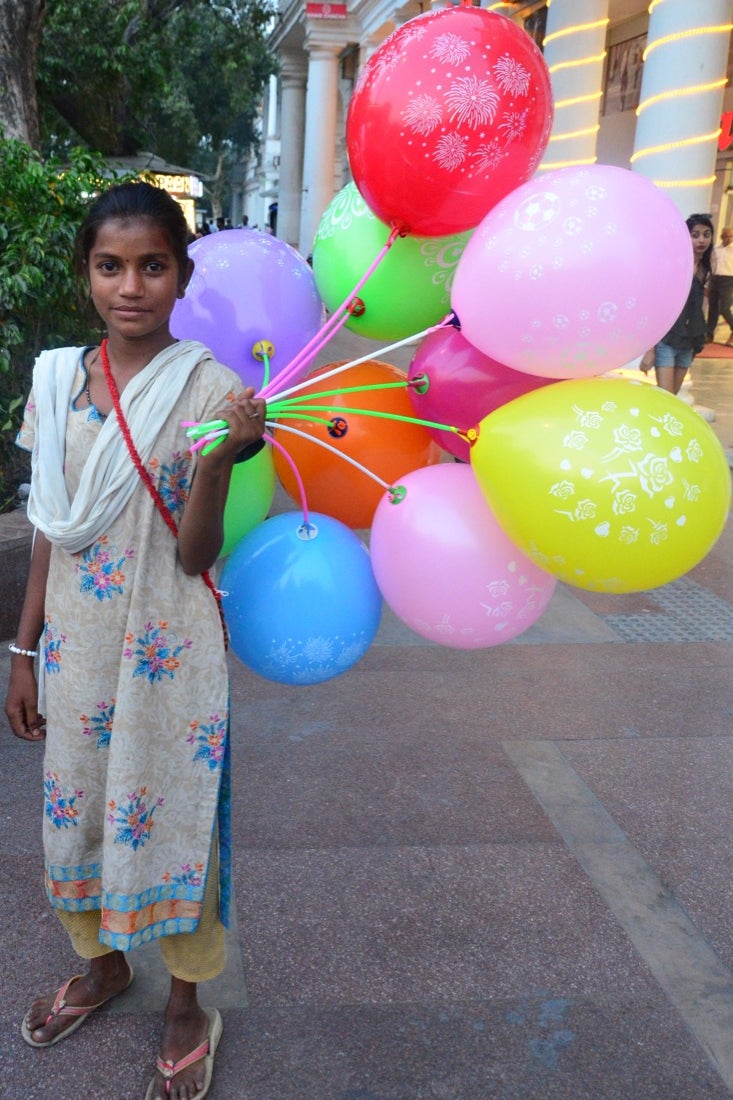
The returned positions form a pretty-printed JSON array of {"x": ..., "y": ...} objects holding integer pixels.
[
  {"x": 647, "y": 361},
  {"x": 21, "y": 702}
]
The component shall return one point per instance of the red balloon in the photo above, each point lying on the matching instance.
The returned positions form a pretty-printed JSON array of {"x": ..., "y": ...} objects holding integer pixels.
[
  {"x": 463, "y": 386},
  {"x": 450, "y": 114},
  {"x": 388, "y": 448}
]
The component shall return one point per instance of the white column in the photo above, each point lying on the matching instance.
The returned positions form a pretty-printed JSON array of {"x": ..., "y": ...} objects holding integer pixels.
[
  {"x": 575, "y": 49},
  {"x": 320, "y": 139},
  {"x": 292, "y": 135},
  {"x": 678, "y": 117}
]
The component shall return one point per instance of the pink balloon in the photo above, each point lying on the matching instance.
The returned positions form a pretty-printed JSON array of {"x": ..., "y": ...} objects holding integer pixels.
[
  {"x": 576, "y": 272},
  {"x": 246, "y": 287},
  {"x": 447, "y": 569},
  {"x": 463, "y": 386}
]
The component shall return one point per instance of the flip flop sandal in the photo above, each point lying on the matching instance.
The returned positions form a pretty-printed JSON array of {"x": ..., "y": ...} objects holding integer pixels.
[
  {"x": 60, "y": 1008},
  {"x": 206, "y": 1050}
]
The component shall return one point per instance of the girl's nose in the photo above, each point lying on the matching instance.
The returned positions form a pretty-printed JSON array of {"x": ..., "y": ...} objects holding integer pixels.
[{"x": 131, "y": 282}]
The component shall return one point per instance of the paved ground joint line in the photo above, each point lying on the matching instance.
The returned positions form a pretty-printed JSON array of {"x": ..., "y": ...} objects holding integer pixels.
[{"x": 689, "y": 971}]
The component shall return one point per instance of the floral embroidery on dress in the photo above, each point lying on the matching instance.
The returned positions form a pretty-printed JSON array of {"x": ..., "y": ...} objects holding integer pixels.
[
  {"x": 100, "y": 724},
  {"x": 52, "y": 648},
  {"x": 210, "y": 740},
  {"x": 173, "y": 480},
  {"x": 187, "y": 876},
  {"x": 60, "y": 807},
  {"x": 101, "y": 570},
  {"x": 155, "y": 652},
  {"x": 133, "y": 818}
]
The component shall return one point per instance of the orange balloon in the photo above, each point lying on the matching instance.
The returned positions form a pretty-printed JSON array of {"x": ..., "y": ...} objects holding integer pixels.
[{"x": 388, "y": 448}]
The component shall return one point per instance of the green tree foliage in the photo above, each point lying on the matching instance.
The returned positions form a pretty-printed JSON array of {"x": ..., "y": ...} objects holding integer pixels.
[
  {"x": 169, "y": 76},
  {"x": 42, "y": 302}
]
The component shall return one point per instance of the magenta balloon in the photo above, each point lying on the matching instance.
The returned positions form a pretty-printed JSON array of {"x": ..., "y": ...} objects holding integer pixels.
[
  {"x": 575, "y": 273},
  {"x": 464, "y": 386},
  {"x": 446, "y": 567},
  {"x": 246, "y": 287}
]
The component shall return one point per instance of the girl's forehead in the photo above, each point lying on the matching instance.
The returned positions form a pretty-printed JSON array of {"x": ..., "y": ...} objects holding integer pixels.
[{"x": 138, "y": 233}]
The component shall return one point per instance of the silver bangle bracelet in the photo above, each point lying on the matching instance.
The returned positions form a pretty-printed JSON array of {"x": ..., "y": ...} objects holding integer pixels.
[{"x": 22, "y": 652}]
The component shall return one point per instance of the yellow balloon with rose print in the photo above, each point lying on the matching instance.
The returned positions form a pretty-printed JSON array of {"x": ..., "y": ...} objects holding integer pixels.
[{"x": 608, "y": 484}]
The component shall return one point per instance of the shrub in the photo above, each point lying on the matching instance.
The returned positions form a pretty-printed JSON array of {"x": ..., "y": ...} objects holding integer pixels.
[{"x": 42, "y": 302}]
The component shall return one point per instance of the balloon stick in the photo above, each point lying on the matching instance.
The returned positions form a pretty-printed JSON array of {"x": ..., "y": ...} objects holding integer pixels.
[
  {"x": 335, "y": 321},
  {"x": 355, "y": 362},
  {"x": 296, "y": 473}
]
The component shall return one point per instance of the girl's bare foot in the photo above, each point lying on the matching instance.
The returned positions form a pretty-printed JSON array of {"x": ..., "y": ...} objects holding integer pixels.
[
  {"x": 185, "y": 1027},
  {"x": 107, "y": 976}
]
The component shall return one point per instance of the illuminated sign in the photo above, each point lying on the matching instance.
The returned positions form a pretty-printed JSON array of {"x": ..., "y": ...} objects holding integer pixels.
[
  {"x": 179, "y": 185},
  {"x": 325, "y": 11}
]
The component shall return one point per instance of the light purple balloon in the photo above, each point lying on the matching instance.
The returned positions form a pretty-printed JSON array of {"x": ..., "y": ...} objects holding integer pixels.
[
  {"x": 246, "y": 287},
  {"x": 576, "y": 272},
  {"x": 447, "y": 568}
]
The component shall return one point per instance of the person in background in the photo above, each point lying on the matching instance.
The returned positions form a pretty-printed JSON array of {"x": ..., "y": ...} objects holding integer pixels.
[
  {"x": 672, "y": 356},
  {"x": 721, "y": 286}
]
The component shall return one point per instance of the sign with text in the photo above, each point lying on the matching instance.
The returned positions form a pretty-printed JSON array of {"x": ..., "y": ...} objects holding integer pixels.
[{"x": 325, "y": 11}]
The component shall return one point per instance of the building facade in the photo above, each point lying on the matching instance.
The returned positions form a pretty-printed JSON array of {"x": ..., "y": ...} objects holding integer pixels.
[{"x": 636, "y": 84}]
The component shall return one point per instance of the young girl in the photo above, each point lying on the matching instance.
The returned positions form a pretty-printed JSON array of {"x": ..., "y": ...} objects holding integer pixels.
[
  {"x": 133, "y": 679},
  {"x": 672, "y": 357}
]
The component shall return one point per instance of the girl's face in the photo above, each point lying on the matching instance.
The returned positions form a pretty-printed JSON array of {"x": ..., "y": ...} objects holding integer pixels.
[
  {"x": 701, "y": 237},
  {"x": 134, "y": 277}
]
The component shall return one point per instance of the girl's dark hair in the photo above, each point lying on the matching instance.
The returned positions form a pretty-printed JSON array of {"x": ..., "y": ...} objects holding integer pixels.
[
  {"x": 706, "y": 260},
  {"x": 134, "y": 200}
]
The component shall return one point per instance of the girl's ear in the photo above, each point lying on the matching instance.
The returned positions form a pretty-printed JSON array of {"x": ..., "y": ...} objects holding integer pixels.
[{"x": 185, "y": 278}]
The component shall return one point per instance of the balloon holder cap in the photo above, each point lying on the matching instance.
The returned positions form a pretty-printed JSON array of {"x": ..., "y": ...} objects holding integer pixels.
[
  {"x": 470, "y": 435},
  {"x": 306, "y": 531},
  {"x": 356, "y": 307},
  {"x": 263, "y": 348},
  {"x": 420, "y": 383},
  {"x": 397, "y": 494}
]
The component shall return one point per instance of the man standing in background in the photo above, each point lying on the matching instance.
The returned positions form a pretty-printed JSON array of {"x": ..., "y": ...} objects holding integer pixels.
[{"x": 721, "y": 286}]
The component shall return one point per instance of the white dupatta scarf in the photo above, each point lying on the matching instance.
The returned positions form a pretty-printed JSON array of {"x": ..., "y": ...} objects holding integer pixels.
[{"x": 109, "y": 477}]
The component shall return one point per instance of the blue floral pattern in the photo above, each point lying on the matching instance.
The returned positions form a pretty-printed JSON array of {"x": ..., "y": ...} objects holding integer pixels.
[
  {"x": 133, "y": 818},
  {"x": 210, "y": 739},
  {"x": 99, "y": 725},
  {"x": 155, "y": 653},
  {"x": 101, "y": 570},
  {"x": 52, "y": 642},
  {"x": 60, "y": 807},
  {"x": 187, "y": 876},
  {"x": 173, "y": 480}
]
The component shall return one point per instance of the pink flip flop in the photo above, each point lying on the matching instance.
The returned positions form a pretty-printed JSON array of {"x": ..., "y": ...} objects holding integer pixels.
[
  {"x": 206, "y": 1051},
  {"x": 60, "y": 1008}
]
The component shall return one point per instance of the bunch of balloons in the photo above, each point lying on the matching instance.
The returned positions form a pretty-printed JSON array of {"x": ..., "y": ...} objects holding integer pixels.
[{"x": 522, "y": 289}]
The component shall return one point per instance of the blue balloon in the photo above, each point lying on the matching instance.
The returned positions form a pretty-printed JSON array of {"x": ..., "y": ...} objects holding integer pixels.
[{"x": 301, "y": 602}]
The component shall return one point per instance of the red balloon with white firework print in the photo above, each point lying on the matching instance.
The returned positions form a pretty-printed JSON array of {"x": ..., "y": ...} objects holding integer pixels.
[{"x": 449, "y": 115}]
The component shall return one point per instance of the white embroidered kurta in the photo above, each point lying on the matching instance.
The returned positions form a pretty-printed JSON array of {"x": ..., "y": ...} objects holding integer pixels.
[{"x": 136, "y": 693}]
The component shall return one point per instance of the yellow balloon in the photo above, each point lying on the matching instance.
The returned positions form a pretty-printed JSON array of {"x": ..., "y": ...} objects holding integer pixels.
[{"x": 608, "y": 484}]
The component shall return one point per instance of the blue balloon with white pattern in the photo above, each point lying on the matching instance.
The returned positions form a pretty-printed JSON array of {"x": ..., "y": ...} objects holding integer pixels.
[{"x": 300, "y": 599}]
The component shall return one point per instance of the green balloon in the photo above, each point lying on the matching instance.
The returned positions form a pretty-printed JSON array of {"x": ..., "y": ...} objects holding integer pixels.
[
  {"x": 409, "y": 290},
  {"x": 251, "y": 492}
]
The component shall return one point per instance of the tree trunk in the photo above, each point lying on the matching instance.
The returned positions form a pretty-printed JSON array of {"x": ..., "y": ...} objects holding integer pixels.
[{"x": 20, "y": 33}]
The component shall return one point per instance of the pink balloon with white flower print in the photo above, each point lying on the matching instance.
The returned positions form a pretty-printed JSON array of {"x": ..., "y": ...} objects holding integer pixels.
[
  {"x": 450, "y": 113},
  {"x": 574, "y": 273},
  {"x": 447, "y": 568}
]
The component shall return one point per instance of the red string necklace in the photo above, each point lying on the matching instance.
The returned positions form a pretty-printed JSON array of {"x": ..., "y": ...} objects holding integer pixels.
[{"x": 145, "y": 474}]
